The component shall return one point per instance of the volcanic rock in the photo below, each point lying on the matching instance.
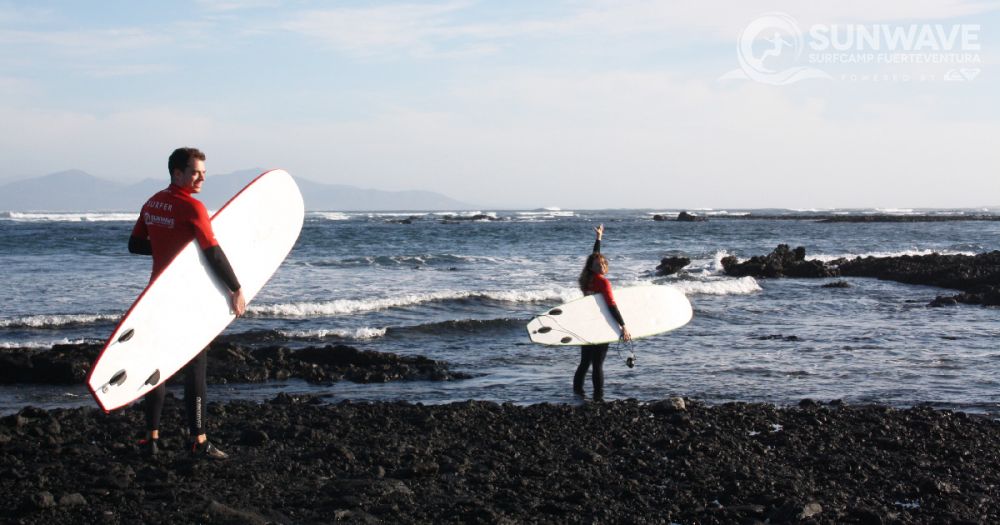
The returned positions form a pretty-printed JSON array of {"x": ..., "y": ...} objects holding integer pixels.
[
  {"x": 671, "y": 265},
  {"x": 231, "y": 363},
  {"x": 782, "y": 262},
  {"x": 688, "y": 217},
  {"x": 977, "y": 276},
  {"x": 615, "y": 462}
]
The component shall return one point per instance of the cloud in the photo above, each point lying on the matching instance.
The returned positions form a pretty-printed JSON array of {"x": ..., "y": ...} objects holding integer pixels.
[
  {"x": 588, "y": 139},
  {"x": 225, "y": 6},
  {"x": 647, "y": 140},
  {"x": 126, "y": 70},
  {"x": 82, "y": 43},
  {"x": 644, "y": 133},
  {"x": 126, "y": 145},
  {"x": 710, "y": 18},
  {"x": 439, "y": 29},
  {"x": 617, "y": 139},
  {"x": 407, "y": 29}
]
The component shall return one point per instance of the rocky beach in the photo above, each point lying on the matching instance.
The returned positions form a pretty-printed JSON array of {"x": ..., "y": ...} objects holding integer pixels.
[
  {"x": 303, "y": 460},
  {"x": 313, "y": 459}
]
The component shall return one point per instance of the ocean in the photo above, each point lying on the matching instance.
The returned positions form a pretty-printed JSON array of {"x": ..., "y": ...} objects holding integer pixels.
[{"x": 457, "y": 288}]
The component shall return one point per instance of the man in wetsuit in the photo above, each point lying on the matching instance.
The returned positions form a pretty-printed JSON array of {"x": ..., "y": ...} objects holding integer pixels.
[{"x": 169, "y": 220}]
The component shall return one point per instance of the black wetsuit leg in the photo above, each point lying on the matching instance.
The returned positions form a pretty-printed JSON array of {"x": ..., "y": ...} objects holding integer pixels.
[
  {"x": 591, "y": 355},
  {"x": 597, "y": 355},
  {"x": 581, "y": 370},
  {"x": 195, "y": 389},
  {"x": 154, "y": 406}
]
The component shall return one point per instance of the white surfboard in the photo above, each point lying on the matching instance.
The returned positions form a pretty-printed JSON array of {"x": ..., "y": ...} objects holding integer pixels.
[
  {"x": 186, "y": 306},
  {"x": 647, "y": 311}
]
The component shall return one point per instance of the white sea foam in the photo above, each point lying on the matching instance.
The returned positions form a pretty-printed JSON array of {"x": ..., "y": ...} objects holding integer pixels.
[
  {"x": 827, "y": 258},
  {"x": 534, "y": 296},
  {"x": 716, "y": 267},
  {"x": 545, "y": 214},
  {"x": 409, "y": 261},
  {"x": 471, "y": 213},
  {"x": 724, "y": 213},
  {"x": 359, "y": 334},
  {"x": 353, "y": 306},
  {"x": 69, "y": 217},
  {"x": 44, "y": 321},
  {"x": 711, "y": 212},
  {"x": 719, "y": 286},
  {"x": 708, "y": 267},
  {"x": 42, "y": 345},
  {"x": 701, "y": 213},
  {"x": 330, "y": 215}
]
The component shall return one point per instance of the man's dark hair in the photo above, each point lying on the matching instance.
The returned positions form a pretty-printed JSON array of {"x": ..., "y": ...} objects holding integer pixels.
[{"x": 180, "y": 158}]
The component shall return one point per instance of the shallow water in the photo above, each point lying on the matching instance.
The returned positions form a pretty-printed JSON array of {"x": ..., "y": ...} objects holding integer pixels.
[{"x": 462, "y": 292}]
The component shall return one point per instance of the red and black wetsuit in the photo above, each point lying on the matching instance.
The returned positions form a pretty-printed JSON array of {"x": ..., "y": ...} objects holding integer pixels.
[
  {"x": 593, "y": 355},
  {"x": 169, "y": 220}
]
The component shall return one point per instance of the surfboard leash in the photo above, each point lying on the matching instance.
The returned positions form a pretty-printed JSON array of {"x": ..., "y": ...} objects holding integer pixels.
[{"x": 630, "y": 360}]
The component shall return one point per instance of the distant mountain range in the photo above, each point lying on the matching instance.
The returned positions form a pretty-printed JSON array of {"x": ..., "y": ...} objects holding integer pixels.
[{"x": 76, "y": 190}]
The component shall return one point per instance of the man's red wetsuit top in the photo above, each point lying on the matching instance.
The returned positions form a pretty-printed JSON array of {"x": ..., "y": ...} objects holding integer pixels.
[{"x": 170, "y": 219}]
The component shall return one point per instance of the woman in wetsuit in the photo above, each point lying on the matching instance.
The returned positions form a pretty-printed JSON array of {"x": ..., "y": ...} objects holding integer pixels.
[{"x": 593, "y": 280}]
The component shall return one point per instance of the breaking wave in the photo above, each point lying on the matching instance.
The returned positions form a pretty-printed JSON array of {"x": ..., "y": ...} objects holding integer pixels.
[
  {"x": 357, "y": 334},
  {"x": 37, "y": 345},
  {"x": 57, "y": 321},
  {"x": 719, "y": 286},
  {"x": 68, "y": 216},
  {"x": 828, "y": 258},
  {"x": 353, "y": 306}
]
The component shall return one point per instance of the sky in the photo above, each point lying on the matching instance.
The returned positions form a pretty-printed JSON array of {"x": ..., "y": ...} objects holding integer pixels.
[{"x": 522, "y": 104}]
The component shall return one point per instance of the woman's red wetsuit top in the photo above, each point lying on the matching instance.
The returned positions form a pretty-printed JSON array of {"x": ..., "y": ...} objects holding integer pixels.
[
  {"x": 600, "y": 284},
  {"x": 170, "y": 219}
]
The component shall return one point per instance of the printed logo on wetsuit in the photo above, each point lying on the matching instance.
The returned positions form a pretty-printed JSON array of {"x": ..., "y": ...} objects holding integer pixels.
[
  {"x": 157, "y": 220},
  {"x": 157, "y": 205}
]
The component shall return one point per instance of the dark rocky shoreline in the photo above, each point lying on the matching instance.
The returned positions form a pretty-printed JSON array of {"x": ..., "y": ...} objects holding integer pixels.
[
  {"x": 976, "y": 276},
  {"x": 296, "y": 460},
  {"x": 873, "y": 218},
  {"x": 233, "y": 363},
  {"x": 833, "y": 219}
]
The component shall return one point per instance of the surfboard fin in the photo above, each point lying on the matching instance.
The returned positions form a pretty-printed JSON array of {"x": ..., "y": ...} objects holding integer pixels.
[
  {"x": 118, "y": 379},
  {"x": 154, "y": 378},
  {"x": 127, "y": 335}
]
